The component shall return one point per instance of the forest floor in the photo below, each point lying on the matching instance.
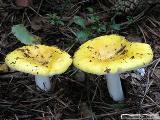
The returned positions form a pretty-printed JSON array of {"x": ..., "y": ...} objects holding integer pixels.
[{"x": 77, "y": 95}]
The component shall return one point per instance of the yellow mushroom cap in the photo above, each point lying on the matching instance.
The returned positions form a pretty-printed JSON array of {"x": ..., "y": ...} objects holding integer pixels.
[
  {"x": 39, "y": 60},
  {"x": 111, "y": 54}
]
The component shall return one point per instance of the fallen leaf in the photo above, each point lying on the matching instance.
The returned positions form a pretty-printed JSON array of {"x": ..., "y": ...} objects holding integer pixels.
[
  {"x": 79, "y": 76},
  {"x": 134, "y": 38},
  {"x": 37, "y": 23},
  {"x": 85, "y": 111},
  {"x": 24, "y": 36},
  {"x": 3, "y": 68},
  {"x": 23, "y": 3}
]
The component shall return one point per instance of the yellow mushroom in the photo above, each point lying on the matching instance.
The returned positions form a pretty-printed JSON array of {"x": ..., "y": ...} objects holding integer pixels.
[
  {"x": 41, "y": 61},
  {"x": 109, "y": 55}
]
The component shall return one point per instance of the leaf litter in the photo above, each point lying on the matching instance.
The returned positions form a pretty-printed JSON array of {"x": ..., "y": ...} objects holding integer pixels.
[{"x": 70, "y": 97}]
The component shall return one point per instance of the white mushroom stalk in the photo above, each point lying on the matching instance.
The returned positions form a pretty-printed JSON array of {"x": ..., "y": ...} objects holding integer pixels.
[
  {"x": 43, "y": 82},
  {"x": 114, "y": 87}
]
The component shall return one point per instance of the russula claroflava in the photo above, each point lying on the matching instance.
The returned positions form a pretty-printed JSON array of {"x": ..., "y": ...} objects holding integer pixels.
[
  {"x": 110, "y": 55},
  {"x": 41, "y": 61}
]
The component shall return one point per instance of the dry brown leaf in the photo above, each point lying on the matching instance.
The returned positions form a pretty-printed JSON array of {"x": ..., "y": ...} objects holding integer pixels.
[
  {"x": 3, "y": 68},
  {"x": 37, "y": 23},
  {"x": 23, "y": 3},
  {"x": 85, "y": 111},
  {"x": 134, "y": 38}
]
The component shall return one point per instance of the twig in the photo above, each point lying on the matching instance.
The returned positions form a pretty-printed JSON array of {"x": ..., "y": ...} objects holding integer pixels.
[
  {"x": 143, "y": 33},
  {"x": 153, "y": 101},
  {"x": 35, "y": 11},
  {"x": 40, "y": 6},
  {"x": 149, "y": 83},
  {"x": 158, "y": 60},
  {"x": 152, "y": 31}
]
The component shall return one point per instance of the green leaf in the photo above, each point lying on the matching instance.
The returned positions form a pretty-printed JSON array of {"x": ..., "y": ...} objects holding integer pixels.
[
  {"x": 59, "y": 22},
  {"x": 82, "y": 35},
  {"x": 91, "y": 10},
  {"x": 80, "y": 21},
  {"x": 102, "y": 28},
  {"x": 119, "y": 105},
  {"x": 24, "y": 36},
  {"x": 95, "y": 18},
  {"x": 130, "y": 19},
  {"x": 116, "y": 26},
  {"x": 94, "y": 26},
  {"x": 54, "y": 19}
]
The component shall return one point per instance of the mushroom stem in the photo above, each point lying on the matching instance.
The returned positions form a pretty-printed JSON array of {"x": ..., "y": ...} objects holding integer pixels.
[
  {"x": 114, "y": 86},
  {"x": 43, "y": 82}
]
